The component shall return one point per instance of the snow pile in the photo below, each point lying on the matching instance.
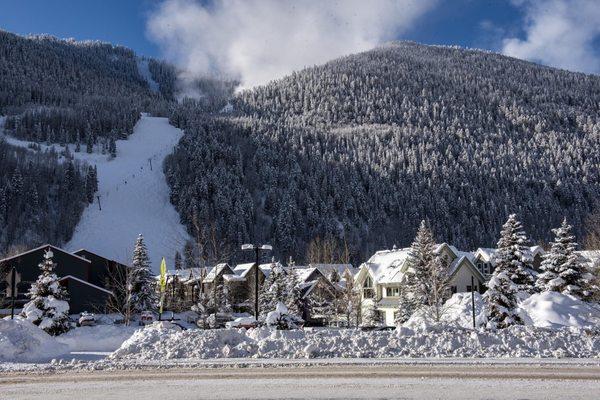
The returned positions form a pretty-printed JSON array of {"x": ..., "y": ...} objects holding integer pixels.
[
  {"x": 97, "y": 338},
  {"x": 457, "y": 311},
  {"x": 21, "y": 341},
  {"x": 162, "y": 342},
  {"x": 553, "y": 309}
]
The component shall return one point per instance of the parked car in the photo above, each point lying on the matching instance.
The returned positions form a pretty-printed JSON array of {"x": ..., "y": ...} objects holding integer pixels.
[
  {"x": 146, "y": 317},
  {"x": 86, "y": 319},
  {"x": 242, "y": 322}
]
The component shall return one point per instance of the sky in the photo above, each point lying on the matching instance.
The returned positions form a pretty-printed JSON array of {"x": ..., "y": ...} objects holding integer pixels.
[{"x": 258, "y": 40}]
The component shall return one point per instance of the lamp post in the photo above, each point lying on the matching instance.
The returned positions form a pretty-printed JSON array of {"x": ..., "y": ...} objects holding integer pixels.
[
  {"x": 257, "y": 248},
  {"x": 13, "y": 291}
]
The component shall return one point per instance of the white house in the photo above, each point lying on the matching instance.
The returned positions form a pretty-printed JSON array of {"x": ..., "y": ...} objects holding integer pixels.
[{"x": 380, "y": 278}]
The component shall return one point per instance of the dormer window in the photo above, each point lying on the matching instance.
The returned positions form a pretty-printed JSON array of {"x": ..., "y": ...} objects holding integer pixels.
[{"x": 368, "y": 291}]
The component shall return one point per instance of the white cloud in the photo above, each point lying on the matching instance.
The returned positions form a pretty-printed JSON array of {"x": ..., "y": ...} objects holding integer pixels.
[
  {"x": 560, "y": 33},
  {"x": 260, "y": 40}
]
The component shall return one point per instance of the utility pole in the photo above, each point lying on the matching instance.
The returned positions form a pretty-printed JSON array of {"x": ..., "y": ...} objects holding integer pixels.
[
  {"x": 257, "y": 248},
  {"x": 99, "y": 205},
  {"x": 150, "y": 161},
  {"x": 13, "y": 290},
  {"x": 473, "y": 300}
]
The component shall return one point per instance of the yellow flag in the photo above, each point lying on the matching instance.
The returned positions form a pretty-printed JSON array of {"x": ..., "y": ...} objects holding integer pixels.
[{"x": 163, "y": 275}]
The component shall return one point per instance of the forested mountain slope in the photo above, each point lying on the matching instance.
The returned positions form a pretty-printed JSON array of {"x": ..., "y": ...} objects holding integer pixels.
[
  {"x": 65, "y": 91},
  {"x": 364, "y": 147}
]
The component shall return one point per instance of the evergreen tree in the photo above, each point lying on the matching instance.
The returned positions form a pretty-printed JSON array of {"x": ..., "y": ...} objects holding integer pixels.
[
  {"x": 562, "y": 270},
  {"x": 177, "y": 262},
  {"x": 406, "y": 305},
  {"x": 143, "y": 295},
  {"x": 293, "y": 300},
  {"x": 48, "y": 307},
  {"x": 422, "y": 253},
  {"x": 501, "y": 297},
  {"x": 371, "y": 315},
  {"x": 513, "y": 250},
  {"x": 112, "y": 147}
]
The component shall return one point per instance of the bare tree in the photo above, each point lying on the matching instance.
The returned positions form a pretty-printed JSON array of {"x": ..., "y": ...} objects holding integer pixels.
[
  {"x": 119, "y": 282},
  {"x": 328, "y": 251}
]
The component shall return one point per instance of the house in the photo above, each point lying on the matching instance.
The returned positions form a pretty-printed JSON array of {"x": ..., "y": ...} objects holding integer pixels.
[
  {"x": 318, "y": 294},
  {"x": 485, "y": 259},
  {"x": 84, "y": 275},
  {"x": 345, "y": 272},
  {"x": 380, "y": 278}
]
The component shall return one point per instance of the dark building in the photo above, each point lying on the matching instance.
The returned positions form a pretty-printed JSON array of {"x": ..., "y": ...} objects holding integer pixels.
[{"x": 85, "y": 275}]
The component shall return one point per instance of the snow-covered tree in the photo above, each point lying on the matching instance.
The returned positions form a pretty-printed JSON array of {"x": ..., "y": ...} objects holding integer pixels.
[
  {"x": 143, "y": 293},
  {"x": 406, "y": 305},
  {"x": 422, "y": 254},
  {"x": 512, "y": 255},
  {"x": 293, "y": 300},
  {"x": 562, "y": 270},
  {"x": 275, "y": 290},
  {"x": 501, "y": 297},
  {"x": 370, "y": 315},
  {"x": 48, "y": 307}
]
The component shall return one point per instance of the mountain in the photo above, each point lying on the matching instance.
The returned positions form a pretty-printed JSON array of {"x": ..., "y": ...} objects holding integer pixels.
[
  {"x": 357, "y": 151},
  {"x": 59, "y": 91},
  {"x": 66, "y": 91}
]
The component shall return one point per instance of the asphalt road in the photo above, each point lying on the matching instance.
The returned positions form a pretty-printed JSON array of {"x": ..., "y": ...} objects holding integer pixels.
[{"x": 443, "y": 381}]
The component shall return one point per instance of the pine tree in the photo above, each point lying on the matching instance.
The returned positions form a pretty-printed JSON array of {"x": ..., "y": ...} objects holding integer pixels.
[
  {"x": 406, "y": 305},
  {"x": 501, "y": 297},
  {"x": 177, "y": 262},
  {"x": 112, "y": 147},
  {"x": 512, "y": 254},
  {"x": 371, "y": 315},
  {"x": 143, "y": 295},
  {"x": 48, "y": 307},
  {"x": 563, "y": 272},
  {"x": 293, "y": 300}
]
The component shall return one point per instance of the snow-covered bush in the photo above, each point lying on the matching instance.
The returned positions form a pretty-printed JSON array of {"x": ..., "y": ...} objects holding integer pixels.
[
  {"x": 48, "y": 307},
  {"x": 281, "y": 319}
]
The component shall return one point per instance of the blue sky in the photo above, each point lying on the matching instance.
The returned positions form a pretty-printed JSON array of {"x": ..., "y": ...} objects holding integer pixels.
[
  {"x": 124, "y": 21},
  {"x": 257, "y": 39}
]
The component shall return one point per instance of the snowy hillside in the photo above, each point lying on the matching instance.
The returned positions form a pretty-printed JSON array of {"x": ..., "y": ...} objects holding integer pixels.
[{"x": 134, "y": 198}]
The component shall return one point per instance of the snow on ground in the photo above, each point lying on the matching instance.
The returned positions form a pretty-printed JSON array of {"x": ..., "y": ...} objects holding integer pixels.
[
  {"x": 162, "y": 342},
  {"x": 98, "y": 338},
  {"x": 555, "y": 310},
  {"x": 21, "y": 341},
  {"x": 144, "y": 71},
  {"x": 134, "y": 198}
]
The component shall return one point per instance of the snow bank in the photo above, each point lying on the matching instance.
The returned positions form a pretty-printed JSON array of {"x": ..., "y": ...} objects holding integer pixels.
[
  {"x": 162, "y": 342},
  {"x": 96, "y": 338},
  {"x": 553, "y": 309},
  {"x": 456, "y": 311},
  {"x": 21, "y": 341}
]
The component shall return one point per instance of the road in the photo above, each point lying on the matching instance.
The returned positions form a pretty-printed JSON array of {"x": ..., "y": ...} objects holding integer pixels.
[{"x": 404, "y": 381}]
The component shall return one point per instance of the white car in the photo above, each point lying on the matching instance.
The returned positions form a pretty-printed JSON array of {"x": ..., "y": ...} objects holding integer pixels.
[
  {"x": 242, "y": 322},
  {"x": 86, "y": 319}
]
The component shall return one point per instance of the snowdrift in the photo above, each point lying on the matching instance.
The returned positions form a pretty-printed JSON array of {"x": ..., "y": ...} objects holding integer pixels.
[
  {"x": 96, "y": 338},
  {"x": 162, "y": 342},
  {"x": 21, "y": 341},
  {"x": 555, "y": 310}
]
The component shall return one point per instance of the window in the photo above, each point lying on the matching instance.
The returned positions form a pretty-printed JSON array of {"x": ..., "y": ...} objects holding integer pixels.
[
  {"x": 392, "y": 292},
  {"x": 453, "y": 289},
  {"x": 468, "y": 288},
  {"x": 368, "y": 291}
]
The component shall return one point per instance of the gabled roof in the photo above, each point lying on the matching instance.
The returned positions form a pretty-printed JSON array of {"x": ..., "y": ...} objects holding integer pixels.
[
  {"x": 78, "y": 252},
  {"x": 216, "y": 271},
  {"x": 43, "y": 247},
  {"x": 86, "y": 283},
  {"x": 455, "y": 266},
  {"x": 489, "y": 254},
  {"x": 387, "y": 266},
  {"x": 341, "y": 269}
]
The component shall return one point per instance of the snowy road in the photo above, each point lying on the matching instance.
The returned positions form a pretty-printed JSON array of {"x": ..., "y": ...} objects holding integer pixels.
[{"x": 433, "y": 381}]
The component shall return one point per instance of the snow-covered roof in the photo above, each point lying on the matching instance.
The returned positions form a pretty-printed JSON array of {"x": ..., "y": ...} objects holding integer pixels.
[
  {"x": 591, "y": 257},
  {"x": 303, "y": 272},
  {"x": 489, "y": 254},
  {"x": 213, "y": 273},
  {"x": 43, "y": 247},
  {"x": 385, "y": 266},
  {"x": 340, "y": 268}
]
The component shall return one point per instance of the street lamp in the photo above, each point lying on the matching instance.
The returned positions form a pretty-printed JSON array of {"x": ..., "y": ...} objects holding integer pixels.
[{"x": 257, "y": 248}]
